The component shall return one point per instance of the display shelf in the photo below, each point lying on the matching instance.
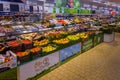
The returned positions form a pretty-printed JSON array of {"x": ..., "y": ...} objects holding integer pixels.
[
  {"x": 59, "y": 48},
  {"x": 65, "y": 53},
  {"x": 71, "y": 45},
  {"x": 8, "y": 61},
  {"x": 27, "y": 32},
  {"x": 36, "y": 47}
]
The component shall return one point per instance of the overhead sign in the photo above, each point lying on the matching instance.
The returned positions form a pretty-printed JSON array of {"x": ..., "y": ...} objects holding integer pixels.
[
  {"x": 21, "y": 7},
  {"x": 35, "y": 9},
  {"x": 27, "y": 8},
  {"x": 77, "y": 4},
  {"x": 1, "y": 7},
  {"x": 48, "y": 9},
  {"x": 6, "y": 7},
  {"x": 68, "y": 3},
  {"x": 14, "y": 7},
  {"x": 84, "y": 11},
  {"x": 61, "y": 3},
  {"x": 118, "y": 8}
]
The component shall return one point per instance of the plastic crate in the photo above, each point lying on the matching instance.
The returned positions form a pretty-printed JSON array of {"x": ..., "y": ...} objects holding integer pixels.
[
  {"x": 24, "y": 59},
  {"x": 27, "y": 45},
  {"x": 16, "y": 49},
  {"x": 36, "y": 54}
]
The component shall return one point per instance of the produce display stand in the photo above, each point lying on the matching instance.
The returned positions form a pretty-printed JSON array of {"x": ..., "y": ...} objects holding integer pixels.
[
  {"x": 48, "y": 52},
  {"x": 39, "y": 47},
  {"x": 37, "y": 66},
  {"x": 59, "y": 56},
  {"x": 46, "y": 61}
]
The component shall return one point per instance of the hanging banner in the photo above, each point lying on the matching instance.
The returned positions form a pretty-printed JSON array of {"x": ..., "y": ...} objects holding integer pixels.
[
  {"x": 61, "y": 3},
  {"x": 65, "y": 10},
  {"x": 1, "y": 7},
  {"x": 54, "y": 10},
  {"x": 48, "y": 10},
  {"x": 84, "y": 11},
  {"x": 60, "y": 10},
  {"x": 73, "y": 4},
  {"x": 77, "y": 4},
  {"x": 57, "y": 10},
  {"x": 21, "y": 7},
  {"x": 72, "y": 11},
  {"x": 27, "y": 8},
  {"x": 37, "y": 66},
  {"x": 40, "y": 8},
  {"x": 35, "y": 9},
  {"x": 70, "y": 3},
  {"x": 6, "y": 7}
]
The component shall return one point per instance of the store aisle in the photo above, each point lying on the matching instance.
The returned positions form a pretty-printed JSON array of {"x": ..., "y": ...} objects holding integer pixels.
[{"x": 99, "y": 63}]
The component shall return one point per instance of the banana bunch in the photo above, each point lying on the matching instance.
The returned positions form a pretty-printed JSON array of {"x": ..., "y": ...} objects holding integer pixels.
[
  {"x": 82, "y": 35},
  {"x": 41, "y": 43},
  {"x": 61, "y": 41},
  {"x": 48, "y": 48},
  {"x": 73, "y": 37}
]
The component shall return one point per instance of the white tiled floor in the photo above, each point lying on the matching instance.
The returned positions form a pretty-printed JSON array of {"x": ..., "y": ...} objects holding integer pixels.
[{"x": 99, "y": 63}]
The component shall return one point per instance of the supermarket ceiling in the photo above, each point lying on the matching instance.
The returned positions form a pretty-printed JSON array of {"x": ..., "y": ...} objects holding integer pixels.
[{"x": 112, "y": 3}]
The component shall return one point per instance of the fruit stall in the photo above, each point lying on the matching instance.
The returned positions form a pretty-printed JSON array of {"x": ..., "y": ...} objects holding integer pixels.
[
  {"x": 41, "y": 46},
  {"x": 42, "y": 36}
]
